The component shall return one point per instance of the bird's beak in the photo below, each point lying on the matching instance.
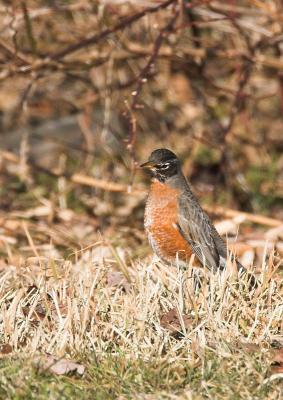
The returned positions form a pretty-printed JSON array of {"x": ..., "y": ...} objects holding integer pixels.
[{"x": 148, "y": 165}]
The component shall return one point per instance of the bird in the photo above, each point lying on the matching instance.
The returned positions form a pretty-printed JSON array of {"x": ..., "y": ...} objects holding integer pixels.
[{"x": 174, "y": 221}]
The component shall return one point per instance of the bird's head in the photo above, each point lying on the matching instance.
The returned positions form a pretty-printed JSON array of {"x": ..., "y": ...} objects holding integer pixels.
[{"x": 162, "y": 164}]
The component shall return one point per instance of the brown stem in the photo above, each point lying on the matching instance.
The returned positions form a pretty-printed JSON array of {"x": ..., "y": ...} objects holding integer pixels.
[
  {"x": 99, "y": 36},
  {"x": 142, "y": 78}
]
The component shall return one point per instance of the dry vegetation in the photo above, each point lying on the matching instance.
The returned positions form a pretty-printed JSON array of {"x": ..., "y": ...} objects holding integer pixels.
[
  {"x": 215, "y": 340},
  {"x": 87, "y": 90}
]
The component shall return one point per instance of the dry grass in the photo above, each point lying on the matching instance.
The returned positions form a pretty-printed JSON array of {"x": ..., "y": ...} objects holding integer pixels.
[
  {"x": 59, "y": 305},
  {"x": 110, "y": 312}
]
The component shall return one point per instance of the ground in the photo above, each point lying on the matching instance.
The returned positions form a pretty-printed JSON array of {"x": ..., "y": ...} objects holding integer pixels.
[{"x": 134, "y": 327}]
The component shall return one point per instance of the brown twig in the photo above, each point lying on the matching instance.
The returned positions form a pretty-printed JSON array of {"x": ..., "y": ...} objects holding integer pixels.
[
  {"x": 127, "y": 21},
  {"x": 77, "y": 178},
  {"x": 255, "y": 218},
  {"x": 142, "y": 78},
  {"x": 239, "y": 98},
  {"x": 104, "y": 185},
  {"x": 29, "y": 29},
  {"x": 54, "y": 61}
]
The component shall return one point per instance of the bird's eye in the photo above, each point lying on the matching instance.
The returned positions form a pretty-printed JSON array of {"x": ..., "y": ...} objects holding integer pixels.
[{"x": 164, "y": 166}]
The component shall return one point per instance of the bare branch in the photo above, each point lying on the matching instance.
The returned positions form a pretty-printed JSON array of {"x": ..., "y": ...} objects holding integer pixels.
[
  {"x": 143, "y": 77},
  {"x": 102, "y": 35}
]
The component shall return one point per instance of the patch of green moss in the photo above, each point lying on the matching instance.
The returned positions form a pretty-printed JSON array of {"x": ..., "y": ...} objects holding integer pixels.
[
  {"x": 207, "y": 155},
  {"x": 257, "y": 176}
]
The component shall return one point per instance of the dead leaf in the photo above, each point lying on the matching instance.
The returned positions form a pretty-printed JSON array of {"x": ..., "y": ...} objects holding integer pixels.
[
  {"x": 171, "y": 321},
  {"x": 6, "y": 348},
  {"x": 249, "y": 347},
  {"x": 39, "y": 311},
  {"x": 116, "y": 278},
  {"x": 277, "y": 361},
  {"x": 62, "y": 366},
  {"x": 277, "y": 369},
  {"x": 38, "y": 314}
]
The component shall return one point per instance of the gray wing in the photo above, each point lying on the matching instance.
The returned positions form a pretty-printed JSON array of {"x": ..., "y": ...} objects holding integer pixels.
[{"x": 196, "y": 227}]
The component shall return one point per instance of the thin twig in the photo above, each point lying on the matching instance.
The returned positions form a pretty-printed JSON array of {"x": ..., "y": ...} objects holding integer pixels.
[
  {"x": 102, "y": 35},
  {"x": 255, "y": 218},
  {"x": 29, "y": 30},
  {"x": 142, "y": 78}
]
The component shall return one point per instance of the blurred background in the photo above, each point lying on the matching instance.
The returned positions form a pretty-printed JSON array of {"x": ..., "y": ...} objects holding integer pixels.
[{"x": 89, "y": 88}]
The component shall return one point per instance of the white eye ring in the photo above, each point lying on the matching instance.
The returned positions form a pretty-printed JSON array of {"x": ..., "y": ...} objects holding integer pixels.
[{"x": 164, "y": 166}]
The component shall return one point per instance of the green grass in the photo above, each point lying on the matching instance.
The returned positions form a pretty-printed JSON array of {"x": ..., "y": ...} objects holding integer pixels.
[{"x": 236, "y": 375}]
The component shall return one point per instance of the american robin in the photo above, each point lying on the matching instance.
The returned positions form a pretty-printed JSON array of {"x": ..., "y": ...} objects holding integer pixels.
[{"x": 175, "y": 223}]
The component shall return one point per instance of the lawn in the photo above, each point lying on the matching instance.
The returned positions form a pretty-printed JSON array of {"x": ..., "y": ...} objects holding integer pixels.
[{"x": 136, "y": 329}]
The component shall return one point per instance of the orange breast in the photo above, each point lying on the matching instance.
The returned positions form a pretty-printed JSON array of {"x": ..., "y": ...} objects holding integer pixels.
[{"x": 161, "y": 224}]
